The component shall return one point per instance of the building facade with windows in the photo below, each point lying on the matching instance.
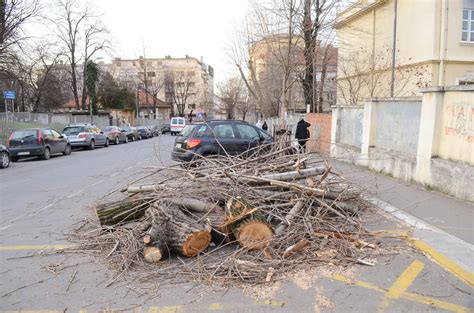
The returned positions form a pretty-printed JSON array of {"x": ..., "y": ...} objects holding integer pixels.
[
  {"x": 395, "y": 47},
  {"x": 187, "y": 84}
]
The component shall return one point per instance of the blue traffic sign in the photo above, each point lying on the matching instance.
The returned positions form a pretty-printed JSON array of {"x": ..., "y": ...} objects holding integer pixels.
[
  {"x": 199, "y": 115},
  {"x": 9, "y": 95}
]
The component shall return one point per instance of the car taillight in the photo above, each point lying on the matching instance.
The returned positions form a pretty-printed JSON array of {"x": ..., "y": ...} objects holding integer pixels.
[
  {"x": 40, "y": 137},
  {"x": 10, "y": 139},
  {"x": 192, "y": 143},
  {"x": 82, "y": 136}
]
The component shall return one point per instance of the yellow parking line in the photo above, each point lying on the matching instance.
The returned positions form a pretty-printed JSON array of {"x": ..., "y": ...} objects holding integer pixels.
[
  {"x": 401, "y": 284},
  {"x": 445, "y": 262},
  {"x": 405, "y": 295},
  {"x": 215, "y": 306},
  {"x": 33, "y": 247}
]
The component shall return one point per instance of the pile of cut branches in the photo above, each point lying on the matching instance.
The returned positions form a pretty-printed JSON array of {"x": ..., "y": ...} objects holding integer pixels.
[{"x": 249, "y": 218}]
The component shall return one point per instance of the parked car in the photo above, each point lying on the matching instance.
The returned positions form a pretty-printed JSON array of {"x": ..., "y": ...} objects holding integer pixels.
[
  {"x": 87, "y": 136},
  {"x": 155, "y": 130},
  {"x": 217, "y": 138},
  {"x": 41, "y": 142},
  {"x": 165, "y": 128},
  {"x": 144, "y": 131},
  {"x": 4, "y": 157},
  {"x": 131, "y": 133},
  {"x": 177, "y": 124},
  {"x": 115, "y": 134}
]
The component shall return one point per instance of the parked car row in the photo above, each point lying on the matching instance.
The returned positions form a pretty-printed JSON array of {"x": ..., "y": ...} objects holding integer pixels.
[{"x": 44, "y": 142}]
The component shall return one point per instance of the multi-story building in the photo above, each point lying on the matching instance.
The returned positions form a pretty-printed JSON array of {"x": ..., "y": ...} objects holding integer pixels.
[
  {"x": 185, "y": 83},
  {"x": 391, "y": 48}
]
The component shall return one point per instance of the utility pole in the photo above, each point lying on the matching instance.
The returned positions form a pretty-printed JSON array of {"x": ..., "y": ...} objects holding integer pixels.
[{"x": 394, "y": 48}]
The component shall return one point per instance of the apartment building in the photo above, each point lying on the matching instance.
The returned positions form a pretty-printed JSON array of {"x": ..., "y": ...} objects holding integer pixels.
[{"x": 185, "y": 83}]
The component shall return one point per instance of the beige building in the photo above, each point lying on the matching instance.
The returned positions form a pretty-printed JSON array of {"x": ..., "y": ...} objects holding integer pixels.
[
  {"x": 394, "y": 47},
  {"x": 186, "y": 83}
]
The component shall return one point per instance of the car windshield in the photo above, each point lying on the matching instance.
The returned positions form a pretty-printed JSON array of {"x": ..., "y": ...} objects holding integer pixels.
[
  {"x": 107, "y": 129},
  {"x": 126, "y": 128},
  {"x": 73, "y": 130},
  {"x": 187, "y": 130},
  {"x": 24, "y": 134}
]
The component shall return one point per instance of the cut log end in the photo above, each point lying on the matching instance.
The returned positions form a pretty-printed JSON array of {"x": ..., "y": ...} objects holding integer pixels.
[
  {"x": 255, "y": 235},
  {"x": 196, "y": 243},
  {"x": 152, "y": 254}
]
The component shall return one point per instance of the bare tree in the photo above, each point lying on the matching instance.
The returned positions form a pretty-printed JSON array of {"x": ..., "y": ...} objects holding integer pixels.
[
  {"x": 95, "y": 40},
  {"x": 230, "y": 92},
  {"x": 177, "y": 88},
  {"x": 81, "y": 34},
  {"x": 155, "y": 85},
  {"x": 365, "y": 75},
  {"x": 14, "y": 14}
]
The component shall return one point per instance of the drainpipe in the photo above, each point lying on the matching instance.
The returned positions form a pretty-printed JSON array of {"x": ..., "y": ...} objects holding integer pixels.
[
  {"x": 443, "y": 45},
  {"x": 394, "y": 48}
]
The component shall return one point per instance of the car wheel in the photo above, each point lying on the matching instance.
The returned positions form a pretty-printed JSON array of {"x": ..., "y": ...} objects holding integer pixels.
[
  {"x": 4, "y": 160},
  {"x": 106, "y": 142},
  {"x": 133, "y": 138},
  {"x": 15, "y": 158},
  {"x": 68, "y": 150},
  {"x": 46, "y": 155},
  {"x": 117, "y": 140},
  {"x": 126, "y": 139},
  {"x": 92, "y": 145}
]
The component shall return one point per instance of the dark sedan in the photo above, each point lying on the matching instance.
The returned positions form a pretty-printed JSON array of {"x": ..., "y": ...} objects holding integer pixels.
[
  {"x": 144, "y": 131},
  {"x": 41, "y": 142},
  {"x": 218, "y": 138},
  {"x": 165, "y": 128},
  {"x": 4, "y": 157},
  {"x": 131, "y": 133}
]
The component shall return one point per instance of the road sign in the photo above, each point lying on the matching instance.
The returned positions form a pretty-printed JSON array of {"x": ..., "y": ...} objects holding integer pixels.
[
  {"x": 9, "y": 95},
  {"x": 199, "y": 116}
]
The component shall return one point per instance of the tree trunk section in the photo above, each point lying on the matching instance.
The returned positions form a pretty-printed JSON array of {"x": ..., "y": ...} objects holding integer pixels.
[{"x": 247, "y": 226}]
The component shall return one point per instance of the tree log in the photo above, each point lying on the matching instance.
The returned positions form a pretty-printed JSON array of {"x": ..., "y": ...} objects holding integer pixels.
[
  {"x": 121, "y": 211},
  {"x": 182, "y": 233},
  {"x": 194, "y": 205},
  {"x": 247, "y": 225}
]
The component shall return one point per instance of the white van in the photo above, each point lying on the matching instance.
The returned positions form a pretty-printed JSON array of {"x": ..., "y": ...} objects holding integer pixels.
[{"x": 176, "y": 125}]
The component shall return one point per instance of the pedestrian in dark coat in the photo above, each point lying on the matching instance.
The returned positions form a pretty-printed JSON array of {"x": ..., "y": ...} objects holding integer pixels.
[
  {"x": 265, "y": 126},
  {"x": 302, "y": 134}
]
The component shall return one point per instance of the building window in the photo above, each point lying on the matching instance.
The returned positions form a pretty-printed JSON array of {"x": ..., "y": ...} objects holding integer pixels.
[
  {"x": 467, "y": 25},
  {"x": 192, "y": 106}
]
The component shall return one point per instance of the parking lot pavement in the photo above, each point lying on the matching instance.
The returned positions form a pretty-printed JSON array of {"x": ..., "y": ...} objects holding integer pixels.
[{"x": 44, "y": 199}]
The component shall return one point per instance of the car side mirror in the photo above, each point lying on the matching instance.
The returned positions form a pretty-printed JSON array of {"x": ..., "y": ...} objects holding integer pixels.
[
  {"x": 123, "y": 130},
  {"x": 101, "y": 132},
  {"x": 62, "y": 136}
]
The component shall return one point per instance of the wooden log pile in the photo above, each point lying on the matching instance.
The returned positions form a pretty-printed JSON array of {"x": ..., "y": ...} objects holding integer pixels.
[{"x": 240, "y": 214}]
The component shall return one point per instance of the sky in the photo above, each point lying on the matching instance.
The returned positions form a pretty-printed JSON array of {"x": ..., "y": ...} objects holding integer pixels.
[{"x": 198, "y": 28}]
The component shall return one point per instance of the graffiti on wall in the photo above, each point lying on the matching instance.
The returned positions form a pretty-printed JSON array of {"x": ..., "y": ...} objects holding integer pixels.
[{"x": 460, "y": 121}]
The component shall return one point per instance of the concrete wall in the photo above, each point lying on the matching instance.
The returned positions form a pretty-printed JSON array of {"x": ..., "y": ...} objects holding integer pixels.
[
  {"x": 351, "y": 119},
  {"x": 320, "y": 133},
  {"x": 397, "y": 126},
  {"x": 457, "y": 127},
  {"x": 431, "y": 142}
]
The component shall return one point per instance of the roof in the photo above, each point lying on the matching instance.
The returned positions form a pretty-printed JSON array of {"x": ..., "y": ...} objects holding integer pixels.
[{"x": 143, "y": 103}]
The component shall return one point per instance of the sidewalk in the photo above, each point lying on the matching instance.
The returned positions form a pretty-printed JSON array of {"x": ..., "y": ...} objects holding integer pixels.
[{"x": 442, "y": 222}]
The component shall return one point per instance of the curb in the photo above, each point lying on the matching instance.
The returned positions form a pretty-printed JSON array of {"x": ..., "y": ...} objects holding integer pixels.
[{"x": 452, "y": 253}]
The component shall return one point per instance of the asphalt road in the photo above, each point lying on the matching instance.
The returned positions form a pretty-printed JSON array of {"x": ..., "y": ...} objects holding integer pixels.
[{"x": 40, "y": 201}]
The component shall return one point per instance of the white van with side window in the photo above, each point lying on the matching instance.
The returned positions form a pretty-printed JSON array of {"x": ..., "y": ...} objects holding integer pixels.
[{"x": 176, "y": 125}]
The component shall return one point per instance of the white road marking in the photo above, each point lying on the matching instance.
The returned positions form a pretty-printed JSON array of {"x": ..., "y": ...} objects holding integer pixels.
[
  {"x": 97, "y": 182},
  {"x": 115, "y": 174},
  {"x": 128, "y": 168},
  {"x": 74, "y": 194},
  {"x": 41, "y": 210}
]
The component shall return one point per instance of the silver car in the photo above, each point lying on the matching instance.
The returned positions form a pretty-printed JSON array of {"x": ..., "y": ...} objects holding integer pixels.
[{"x": 87, "y": 136}]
